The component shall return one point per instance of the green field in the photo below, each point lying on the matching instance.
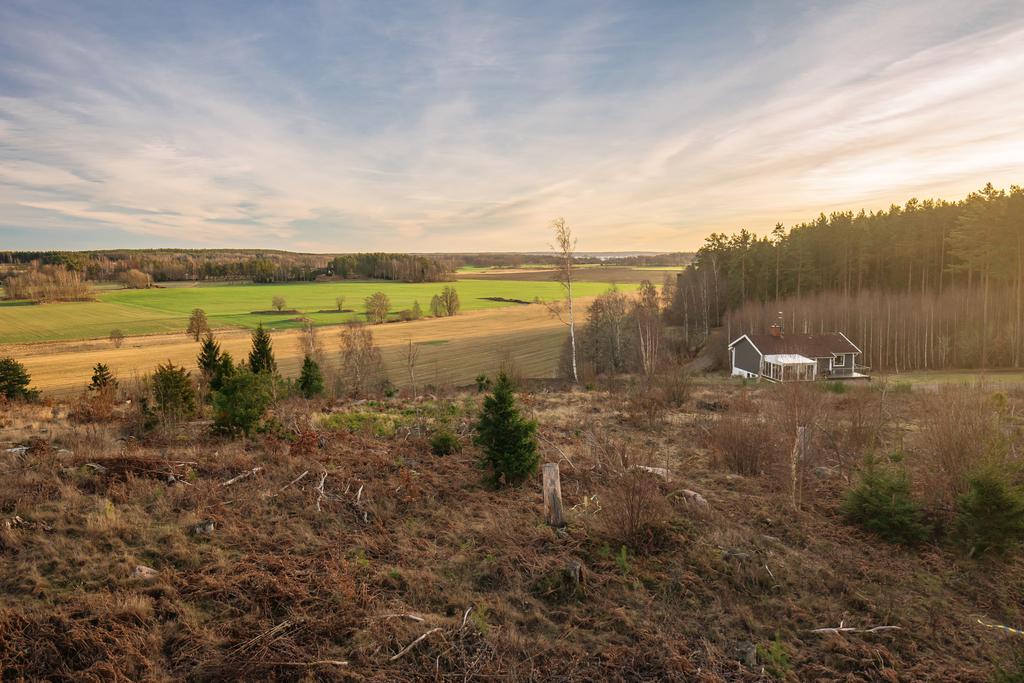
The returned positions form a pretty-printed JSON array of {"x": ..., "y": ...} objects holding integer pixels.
[{"x": 147, "y": 311}]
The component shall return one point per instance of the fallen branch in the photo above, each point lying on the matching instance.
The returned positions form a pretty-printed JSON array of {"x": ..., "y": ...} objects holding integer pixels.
[
  {"x": 320, "y": 489},
  {"x": 414, "y": 643},
  {"x": 849, "y": 629},
  {"x": 319, "y": 662},
  {"x": 1000, "y": 627},
  {"x": 240, "y": 477},
  {"x": 561, "y": 453},
  {"x": 401, "y": 616},
  {"x": 294, "y": 481},
  {"x": 466, "y": 616}
]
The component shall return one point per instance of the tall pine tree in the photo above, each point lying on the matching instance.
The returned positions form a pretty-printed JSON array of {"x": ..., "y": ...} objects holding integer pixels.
[
  {"x": 261, "y": 356},
  {"x": 507, "y": 438}
]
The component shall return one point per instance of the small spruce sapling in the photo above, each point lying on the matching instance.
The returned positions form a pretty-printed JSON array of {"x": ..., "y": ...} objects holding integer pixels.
[{"x": 508, "y": 439}]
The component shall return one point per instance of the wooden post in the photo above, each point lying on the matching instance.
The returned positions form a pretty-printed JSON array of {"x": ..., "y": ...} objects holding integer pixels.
[
  {"x": 798, "y": 456},
  {"x": 553, "y": 495}
]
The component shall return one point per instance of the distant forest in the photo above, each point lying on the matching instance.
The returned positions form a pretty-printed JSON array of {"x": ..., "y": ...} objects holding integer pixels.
[
  {"x": 171, "y": 265},
  {"x": 168, "y": 265},
  {"x": 932, "y": 284}
]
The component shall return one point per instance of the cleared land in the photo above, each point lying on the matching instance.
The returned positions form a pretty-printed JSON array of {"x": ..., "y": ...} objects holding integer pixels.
[
  {"x": 451, "y": 350},
  {"x": 308, "y": 567},
  {"x": 163, "y": 310}
]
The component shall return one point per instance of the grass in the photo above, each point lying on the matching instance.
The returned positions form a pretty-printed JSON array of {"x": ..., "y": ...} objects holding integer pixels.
[{"x": 154, "y": 311}]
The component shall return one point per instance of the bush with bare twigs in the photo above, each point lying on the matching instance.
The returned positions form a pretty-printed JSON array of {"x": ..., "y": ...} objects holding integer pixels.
[
  {"x": 960, "y": 432},
  {"x": 744, "y": 445},
  {"x": 634, "y": 510}
]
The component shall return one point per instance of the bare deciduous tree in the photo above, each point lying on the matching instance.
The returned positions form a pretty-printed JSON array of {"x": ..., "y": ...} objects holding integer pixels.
[
  {"x": 412, "y": 356},
  {"x": 278, "y": 303},
  {"x": 361, "y": 365},
  {"x": 116, "y": 338},
  {"x": 309, "y": 342},
  {"x": 339, "y": 302},
  {"x": 377, "y": 306},
  {"x": 565, "y": 249},
  {"x": 450, "y": 300},
  {"x": 647, "y": 313},
  {"x": 197, "y": 324}
]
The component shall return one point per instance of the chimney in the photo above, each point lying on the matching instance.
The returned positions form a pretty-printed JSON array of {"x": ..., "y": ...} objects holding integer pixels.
[{"x": 776, "y": 327}]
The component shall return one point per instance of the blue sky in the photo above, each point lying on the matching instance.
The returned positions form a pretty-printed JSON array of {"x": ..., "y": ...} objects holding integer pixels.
[{"x": 435, "y": 126}]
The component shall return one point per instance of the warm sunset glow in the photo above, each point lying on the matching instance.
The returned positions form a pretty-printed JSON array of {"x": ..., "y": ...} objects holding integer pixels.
[{"x": 440, "y": 128}]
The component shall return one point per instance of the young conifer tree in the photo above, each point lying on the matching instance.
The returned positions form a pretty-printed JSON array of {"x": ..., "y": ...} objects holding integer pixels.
[
  {"x": 508, "y": 439},
  {"x": 102, "y": 378},
  {"x": 209, "y": 357},
  {"x": 261, "y": 357},
  {"x": 311, "y": 380}
]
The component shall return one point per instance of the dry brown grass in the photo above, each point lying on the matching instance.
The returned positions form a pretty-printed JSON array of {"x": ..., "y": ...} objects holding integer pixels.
[{"x": 280, "y": 591}]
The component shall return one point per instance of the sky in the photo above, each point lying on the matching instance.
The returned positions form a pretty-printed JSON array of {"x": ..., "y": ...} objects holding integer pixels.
[{"x": 445, "y": 126}]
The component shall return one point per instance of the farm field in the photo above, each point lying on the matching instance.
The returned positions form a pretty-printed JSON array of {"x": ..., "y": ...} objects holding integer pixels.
[
  {"x": 588, "y": 273},
  {"x": 991, "y": 378},
  {"x": 164, "y": 310},
  {"x": 451, "y": 350}
]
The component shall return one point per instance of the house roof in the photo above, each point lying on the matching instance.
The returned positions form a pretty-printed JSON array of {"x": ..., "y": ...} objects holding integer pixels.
[
  {"x": 809, "y": 345},
  {"x": 788, "y": 359}
]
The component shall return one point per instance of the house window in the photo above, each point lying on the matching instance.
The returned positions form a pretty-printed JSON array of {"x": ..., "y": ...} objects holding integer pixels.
[{"x": 839, "y": 362}]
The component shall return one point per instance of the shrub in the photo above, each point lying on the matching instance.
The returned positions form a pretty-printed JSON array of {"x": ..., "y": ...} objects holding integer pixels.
[
  {"x": 173, "y": 392},
  {"x": 261, "y": 356},
  {"x": 311, "y": 380},
  {"x": 116, "y": 338},
  {"x": 444, "y": 443},
  {"x": 240, "y": 404},
  {"x": 835, "y": 387},
  {"x": 14, "y": 381},
  {"x": 959, "y": 433},
  {"x": 743, "y": 445},
  {"x": 635, "y": 511},
  {"x": 990, "y": 515},
  {"x": 881, "y": 503},
  {"x": 508, "y": 440},
  {"x": 674, "y": 387}
]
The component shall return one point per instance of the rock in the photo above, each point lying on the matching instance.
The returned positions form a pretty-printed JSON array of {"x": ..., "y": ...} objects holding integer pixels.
[
  {"x": 712, "y": 406},
  {"x": 660, "y": 471},
  {"x": 204, "y": 528},
  {"x": 825, "y": 472},
  {"x": 17, "y": 450},
  {"x": 747, "y": 653},
  {"x": 694, "y": 498},
  {"x": 141, "y": 571}
]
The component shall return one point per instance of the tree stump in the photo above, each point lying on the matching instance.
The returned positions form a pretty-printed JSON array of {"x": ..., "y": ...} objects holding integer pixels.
[{"x": 553, "y": 495}]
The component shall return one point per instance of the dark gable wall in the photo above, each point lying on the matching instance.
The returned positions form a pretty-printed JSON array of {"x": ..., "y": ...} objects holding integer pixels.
[{"x": 747, "y": 357}]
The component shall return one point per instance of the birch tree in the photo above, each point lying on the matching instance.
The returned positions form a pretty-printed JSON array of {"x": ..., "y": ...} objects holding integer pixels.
[{"x": 565, "y": 249}]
